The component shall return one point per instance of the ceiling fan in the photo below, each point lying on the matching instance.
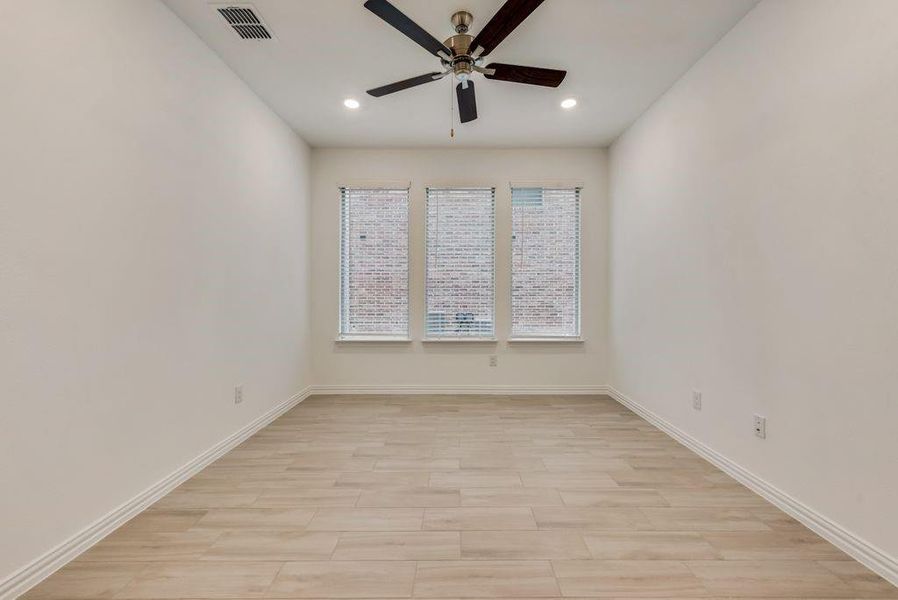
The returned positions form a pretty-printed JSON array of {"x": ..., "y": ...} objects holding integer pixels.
[{"x": 463, "y": 54}]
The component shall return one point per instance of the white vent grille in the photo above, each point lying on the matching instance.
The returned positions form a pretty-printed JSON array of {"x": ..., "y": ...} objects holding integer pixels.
[{"x": 245, "y": 22}]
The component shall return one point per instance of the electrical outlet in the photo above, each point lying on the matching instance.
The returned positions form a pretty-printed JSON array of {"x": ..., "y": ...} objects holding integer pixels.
[
  {"x": 761, "y": 426},
  {"x": 238, "y": 394},
  {"x": 696, "y": 399},
  {"x": 494, "y": 360}
]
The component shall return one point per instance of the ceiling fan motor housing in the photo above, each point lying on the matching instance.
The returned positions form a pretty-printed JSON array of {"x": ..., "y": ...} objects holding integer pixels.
[
  {"x": 460, "y": 44},
  {"x": 462, "y": 64}
]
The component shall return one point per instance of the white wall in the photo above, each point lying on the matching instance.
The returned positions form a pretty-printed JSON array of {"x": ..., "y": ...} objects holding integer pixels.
[
  {"x": 450, "y": 364},
  {"x": 153, "y": 254},
  {"x": 754, "y": 255}
]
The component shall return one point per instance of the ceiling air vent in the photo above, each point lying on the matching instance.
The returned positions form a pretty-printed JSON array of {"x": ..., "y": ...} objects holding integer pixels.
[{"x": 244, "y": 20}]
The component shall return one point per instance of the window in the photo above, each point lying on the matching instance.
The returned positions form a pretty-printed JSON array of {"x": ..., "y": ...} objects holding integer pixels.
[
  {"x": 374, "y": 262},
  {"x": 460, "y": 229},
  {"x": 545, "y": 262}
]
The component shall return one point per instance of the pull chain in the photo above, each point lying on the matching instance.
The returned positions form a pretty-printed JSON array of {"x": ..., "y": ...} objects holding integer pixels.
[{"x": 451, "y": 114}]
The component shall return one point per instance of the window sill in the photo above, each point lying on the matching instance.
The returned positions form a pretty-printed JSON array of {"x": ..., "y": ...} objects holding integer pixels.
[
  {"x": 367, "y": 339},
  {"x": 460, "y": 340},
  {"x": 546, "y": 340}
]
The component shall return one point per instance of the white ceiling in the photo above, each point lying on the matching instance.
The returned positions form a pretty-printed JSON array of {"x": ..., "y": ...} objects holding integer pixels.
[{"x": 620, "y": 55}]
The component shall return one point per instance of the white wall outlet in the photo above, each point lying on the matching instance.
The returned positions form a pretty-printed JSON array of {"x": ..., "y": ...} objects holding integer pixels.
[
  {"x": 494, "y": 360},
  {"x": 696, "y": 399},
  {"x": 761, "y": 426},
  {"x": 238, "y": 394}
]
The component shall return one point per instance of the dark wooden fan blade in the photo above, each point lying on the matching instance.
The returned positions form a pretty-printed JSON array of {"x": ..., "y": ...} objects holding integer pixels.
[
  {"x": 506, "y": 20},
  {"x": 404, "y": 84},
  {"x": 397, "y": 19},
  {"x": 531, "y": 75},
  {"x": 467, "y": 104}
]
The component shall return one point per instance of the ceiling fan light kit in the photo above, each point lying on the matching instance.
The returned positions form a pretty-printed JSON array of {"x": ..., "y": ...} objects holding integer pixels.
[{"x": 462, "y": 54}]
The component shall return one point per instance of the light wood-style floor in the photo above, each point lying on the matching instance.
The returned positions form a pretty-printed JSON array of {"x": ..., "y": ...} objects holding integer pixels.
[{"x": 462, "y": 497}]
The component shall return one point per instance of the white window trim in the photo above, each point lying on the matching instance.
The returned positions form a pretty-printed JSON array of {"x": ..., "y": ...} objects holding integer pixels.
[
  {"x": 562, "y": 339},
  {"x": 373, "y": 339},
  {"x": 343, "y": 337},
  {"x": 577, "y": 338},
  {"x": 471, "y": 339},
  {"x": 460, "y": 340},
  {"x": 376, "y": 184},
  {"x": 549, "y": 184}
]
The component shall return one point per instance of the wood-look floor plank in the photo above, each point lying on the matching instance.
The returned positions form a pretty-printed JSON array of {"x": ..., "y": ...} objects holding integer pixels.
[
  {"x": 703, "y": 519},
  {"x": 160, "y": 520},
  {"x": 377, "y": 480},
  {"x": 645, "y": 579},
  {"x": 772, "y": 545},
  {"x": 86, "y": 580},
  {"x": 863, "y": 582},
  {"x": 417, "y": 464},
  {"x": 506, "y": 518},
  {"x": 587, "y": 518},
  {"x": 367, "y": 519},
  {"x": 485, "y": 579},
  {"x": 236, "y": 519},
  {"x": 424, "y": 497},
  {"x": 147, "y": 546},
  {"x": 510, "y": 496},
  {"x": 201, "y": 580},
  {"x": 281, "y": 545},
  {"x": 522, "y": 545},
  {"x": 307, "y": 497},
  {"x": 648, "y": 545},
  {"x": 568, "y": 480},
  {"x": 344, "y": 579},
  {"x": 405, "y": 545},
  {"x": 725, "y": 497},
  {"x": 618, "y": 497},
  {"x": 770, "y": 578},
  {"x": 462, "y": 497}
]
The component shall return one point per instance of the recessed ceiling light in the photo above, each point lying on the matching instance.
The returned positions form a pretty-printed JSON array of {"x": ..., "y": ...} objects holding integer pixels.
[
  {"x": 351, "y": 103},
  {"x": 568, "y": 103}
]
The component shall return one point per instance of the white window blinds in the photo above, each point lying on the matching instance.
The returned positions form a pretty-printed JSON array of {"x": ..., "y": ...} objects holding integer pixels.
[
  {"x": 460, "y": 228},
  {"x": 374, "y": 262},
  {"x": 545, "y": 262}
]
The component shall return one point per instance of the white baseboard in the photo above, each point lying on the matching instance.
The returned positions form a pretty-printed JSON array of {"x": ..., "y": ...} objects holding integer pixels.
[
  {"x": 869, "y": 555},
  {"x": 32, "y": 574},
  {"x": 459, "y": 389}
]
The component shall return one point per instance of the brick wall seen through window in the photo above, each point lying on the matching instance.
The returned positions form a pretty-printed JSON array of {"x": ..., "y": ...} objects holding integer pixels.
[
  {"x": 545, "y": 262},
  {"x": 460, "y": 231},
  {"x": 374, "y": 262}
]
